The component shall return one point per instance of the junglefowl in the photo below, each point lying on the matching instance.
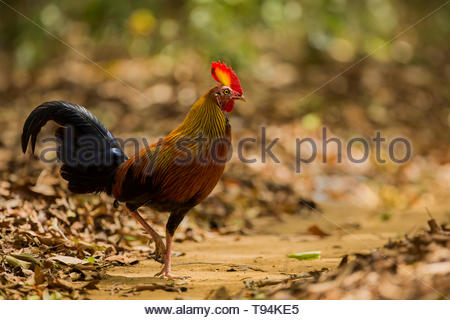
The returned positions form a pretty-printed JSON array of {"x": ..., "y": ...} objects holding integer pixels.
[{"x": 173, "y": 174}]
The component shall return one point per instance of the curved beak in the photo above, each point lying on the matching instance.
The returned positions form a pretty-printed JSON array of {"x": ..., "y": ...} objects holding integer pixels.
[{"x": 240, "y": 97}]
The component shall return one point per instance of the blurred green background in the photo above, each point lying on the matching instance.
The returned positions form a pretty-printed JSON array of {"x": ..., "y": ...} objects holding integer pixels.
[
  {"x": 276, "y": 44},
  {"x": 301, "y": 32}
]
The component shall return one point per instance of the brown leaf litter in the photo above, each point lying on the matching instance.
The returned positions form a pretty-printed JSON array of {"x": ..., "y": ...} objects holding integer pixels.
[{"x": 417, "y": 267}]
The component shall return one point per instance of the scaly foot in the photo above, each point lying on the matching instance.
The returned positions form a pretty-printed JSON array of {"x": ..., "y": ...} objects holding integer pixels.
[{"x": 167, "y": 275}]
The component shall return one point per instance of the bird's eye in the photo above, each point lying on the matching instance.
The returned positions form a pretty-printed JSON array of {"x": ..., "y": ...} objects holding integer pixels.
[{"x": 226, "y": 91}]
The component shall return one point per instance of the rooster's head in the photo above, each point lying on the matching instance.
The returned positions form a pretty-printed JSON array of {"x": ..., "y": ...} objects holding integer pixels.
[{"x": 229, "y": 88}]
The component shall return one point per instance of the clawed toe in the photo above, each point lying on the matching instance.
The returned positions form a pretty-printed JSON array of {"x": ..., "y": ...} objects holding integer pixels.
[{"x": 167, "y": 275}]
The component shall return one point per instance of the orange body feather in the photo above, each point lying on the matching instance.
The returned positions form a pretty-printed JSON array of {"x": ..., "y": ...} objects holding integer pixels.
[{"x": 183, "y": 168}]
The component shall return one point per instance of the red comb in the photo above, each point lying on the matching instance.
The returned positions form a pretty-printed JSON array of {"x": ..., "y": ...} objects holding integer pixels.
[{"x": 226, "y": 76}]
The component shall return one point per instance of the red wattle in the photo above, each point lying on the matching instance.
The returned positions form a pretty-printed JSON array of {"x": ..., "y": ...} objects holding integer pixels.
[{"x": 229, "y": 106}]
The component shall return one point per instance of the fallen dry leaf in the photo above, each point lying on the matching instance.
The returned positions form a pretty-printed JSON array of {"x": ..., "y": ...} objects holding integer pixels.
[
  {"x": 122, "y": 259},
  {"x": 316, "y": 231},
  {"x": 69, "y": 261}
]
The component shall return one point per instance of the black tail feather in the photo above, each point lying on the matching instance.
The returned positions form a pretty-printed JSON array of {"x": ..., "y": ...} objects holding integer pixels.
[{"x": 89, "y": 152}]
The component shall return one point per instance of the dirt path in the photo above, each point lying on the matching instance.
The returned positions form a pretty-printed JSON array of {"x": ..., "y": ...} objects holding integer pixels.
[{"x": 229, "y": 260}]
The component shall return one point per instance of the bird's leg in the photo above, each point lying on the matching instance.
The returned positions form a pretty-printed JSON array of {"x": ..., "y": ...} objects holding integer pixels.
[
  {"x": 160, "y": 249},
  {"x": 174, "y": 220},
  {"x": 166, "y": 270}
]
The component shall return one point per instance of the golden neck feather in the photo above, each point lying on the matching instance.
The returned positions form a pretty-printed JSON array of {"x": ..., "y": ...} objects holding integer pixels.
[{"x": 205, "y": 118}]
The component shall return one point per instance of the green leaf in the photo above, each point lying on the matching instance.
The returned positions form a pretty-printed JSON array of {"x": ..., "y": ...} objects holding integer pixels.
[
  {"x": 310, "y": 255},
  {"x": 71, "y": 214},
  {"x": 386, "y": 216},
  {"x": 261, "y": 296},
  {"x": 130, "y": 238},
  {"x": 90, "y": 259},
  {"x": 55, "y": 296}
]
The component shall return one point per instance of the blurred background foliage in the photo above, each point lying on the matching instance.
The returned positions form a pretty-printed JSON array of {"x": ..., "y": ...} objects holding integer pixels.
[
  {"x": 277, "y": 43},
  {"x": 304, "y": 32}
]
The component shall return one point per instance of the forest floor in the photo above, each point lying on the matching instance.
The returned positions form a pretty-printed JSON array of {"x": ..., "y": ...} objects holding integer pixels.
[
  {"x": 58, "y": 245},
  {"x": 220, "y": 265}
]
